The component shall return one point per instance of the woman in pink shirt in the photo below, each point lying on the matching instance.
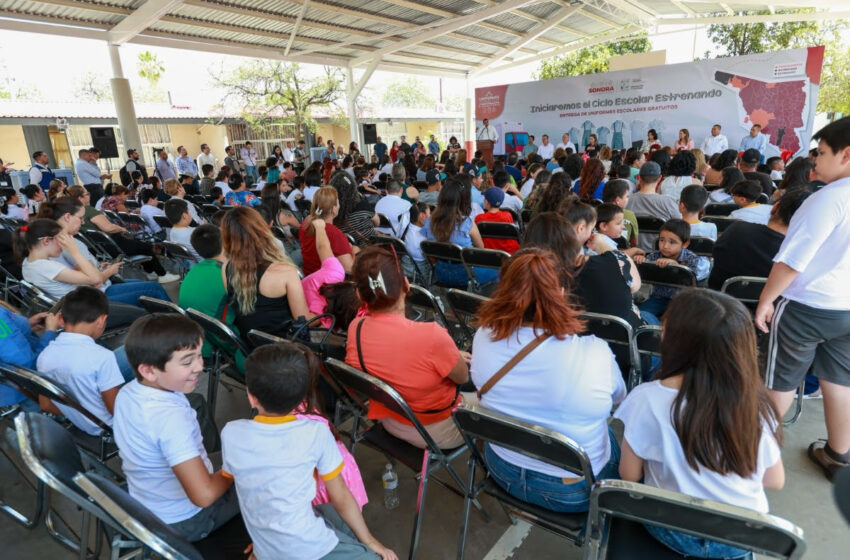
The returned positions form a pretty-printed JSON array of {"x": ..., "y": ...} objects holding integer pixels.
[
  {"x": 684, "y": 142},
  {"x": 331, "y": 272}
]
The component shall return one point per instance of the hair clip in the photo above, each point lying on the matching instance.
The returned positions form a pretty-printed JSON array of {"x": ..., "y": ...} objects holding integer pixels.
[
  {"x": 25, "y": 228},
  {"x": 377, "y": 283},
  {"x": 318, "y": 211}
]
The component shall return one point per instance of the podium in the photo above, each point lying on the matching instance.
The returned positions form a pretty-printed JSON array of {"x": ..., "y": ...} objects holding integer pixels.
[{"x": 486, "y": 149}]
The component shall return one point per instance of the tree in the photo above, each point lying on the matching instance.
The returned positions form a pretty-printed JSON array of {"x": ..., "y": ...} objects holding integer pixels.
[
  {"x": 150, "y": 67},
  {"x": 409, "y": 93},
  {"x": 590, "y": 60},
  {"x": 92, "y": 87},
  {"x": 739, "y": 39},
  {"x": 271, "y": 91}
]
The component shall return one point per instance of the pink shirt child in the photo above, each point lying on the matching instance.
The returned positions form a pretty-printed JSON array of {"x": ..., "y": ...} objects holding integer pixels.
[{"x": 331, "y": 272}]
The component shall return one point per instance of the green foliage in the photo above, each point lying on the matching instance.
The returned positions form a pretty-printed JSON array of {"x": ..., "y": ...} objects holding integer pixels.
[
  {"x": 92, "y": 87},
  {"x": 739, "y": 39},
  {"x": 409, "y": 93},
  {"x": 590, "y": 60},
  {"x": 271, "y": 91},
  {"x": 150, "y": 67}
]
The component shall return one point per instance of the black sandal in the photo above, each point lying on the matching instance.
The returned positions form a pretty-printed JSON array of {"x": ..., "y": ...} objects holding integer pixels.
[{"x": 817, "y": 453}]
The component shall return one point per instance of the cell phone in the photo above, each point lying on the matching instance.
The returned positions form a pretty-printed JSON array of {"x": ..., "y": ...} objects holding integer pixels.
[
  {"x": 119, "y": 258},
  {"x": 57, "y": 307}
]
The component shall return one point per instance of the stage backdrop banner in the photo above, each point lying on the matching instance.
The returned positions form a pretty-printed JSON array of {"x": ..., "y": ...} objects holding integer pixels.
[{"x": 777, "y": 90}]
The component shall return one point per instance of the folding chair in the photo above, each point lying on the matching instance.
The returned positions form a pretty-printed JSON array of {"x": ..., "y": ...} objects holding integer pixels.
[
  {"x": 672, "y": 275},
  {"x": 226, "y": 349},
  {"x": 209, "y": 210},
  {"x": 50, "y": 453},
  {"x": 648, "y": 342},
  {"x": 384, "y": 222},
  {"x": 702, "y": 246},
  {"x": 648, "y": 229},
  {"x": 9, "y": 448},
  {"x": 498, "y": 230},
  {"x": 154, "y": 305},
  {"x": 101, "y": 447},
  {"x": 746, "y": 289},
  {"x": 303, "y": 206},
  {"x": 179, "y": 254},
  {"x": 163, "y": 222},
  {"x": 488, "y": 259},
  {"x": 525, "y": 216},
  {"x": 114, "y": 218},
  {"x": 419, "y": 275},
  {"x": 130, "y": 204},
  {"x": 619, "y": 335},
  {"x": 450, "y": 253},
  {"x": 135, "y": 519},
  {"x": 96, "y": 250},
  {"x": 423, "y": 306},
  {"x": 514, "y": 216},
  {"x": 480, "y": 425},
  {"x": 618, "y": 510},
  {"x": 720, "y": 209},
  {"x": 465, "y": 306},
  {"x": 34, "y": 299},
  {"x": 422, "y": 461},
  {"x": 110, "y": 247},
  {"x": 722, "y": 222},
  {"x": 142, "y": 233}
]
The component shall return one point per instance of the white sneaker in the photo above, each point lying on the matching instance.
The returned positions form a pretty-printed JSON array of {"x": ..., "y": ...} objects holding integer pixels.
[
  {"x": 151, "y": 276},
  {"x": 168, "y": 278}
]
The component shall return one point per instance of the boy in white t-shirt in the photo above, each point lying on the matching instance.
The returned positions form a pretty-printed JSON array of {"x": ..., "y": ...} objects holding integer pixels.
[
  {"x": 150, "y": 209},
  {"x": 177, "y": 212},
  {"x": 158, "y": 435},
  {"x": 745, "y": 194},
  {"x": 691, "y": 204},
  {"x": 75, "y": 362},
  {"x": 412, "y": 235},
  {"x": 810, "y": 325},
  {"x": 276, "y": 486}
]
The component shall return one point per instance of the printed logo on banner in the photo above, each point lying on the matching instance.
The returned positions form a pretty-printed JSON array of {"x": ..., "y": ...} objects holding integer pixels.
[
  {"x": 489, "y": 102},
  {"x": 604, "y": 86}
]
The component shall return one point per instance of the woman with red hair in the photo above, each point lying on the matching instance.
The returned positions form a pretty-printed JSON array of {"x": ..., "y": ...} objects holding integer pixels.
[
  {"x": 591, "y": 181},
  {"x": 565, "y": 382}
]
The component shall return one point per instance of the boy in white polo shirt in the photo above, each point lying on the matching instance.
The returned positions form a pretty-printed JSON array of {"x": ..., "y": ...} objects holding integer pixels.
[
  {"x": 810, "y": 325},
  {"x": 75, "y": 362},
  {"x": 158, "y": 435},
  {"x": 272, "y": 460}
]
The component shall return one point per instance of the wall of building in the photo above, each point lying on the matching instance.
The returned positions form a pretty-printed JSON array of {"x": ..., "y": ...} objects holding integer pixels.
[
  {"x": 13, "y": 146},
  {"x": 423, "y": 130},
  {"x": 339, "y": 134},
  {"x": 193, "y": 135}
]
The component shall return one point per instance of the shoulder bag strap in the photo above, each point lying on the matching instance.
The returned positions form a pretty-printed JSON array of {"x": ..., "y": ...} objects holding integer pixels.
[
  {"x": 526, "y": 350},
  {"x": 359, "y": 348}
]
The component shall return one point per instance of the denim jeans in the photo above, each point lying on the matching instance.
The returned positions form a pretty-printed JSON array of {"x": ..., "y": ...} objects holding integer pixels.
[
  {"x": 544, "y": 490},
  {"x": 655, "y": 305},
  {"x": 695, "y": 546},
  {"x": 130, "y": 291},
  {"x": 251, "y": 171},
  {"x": 210, "y": 518}
]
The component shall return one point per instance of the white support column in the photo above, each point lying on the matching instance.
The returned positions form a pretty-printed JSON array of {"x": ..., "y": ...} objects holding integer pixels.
[
  {"x": 123, "y": 98},
  {"x": 468, "y": 122},
  {"x": 351, "y": 97}
]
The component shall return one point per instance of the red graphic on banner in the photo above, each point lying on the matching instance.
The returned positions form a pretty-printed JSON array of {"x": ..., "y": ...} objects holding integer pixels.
[
  {"x": 489, "y": 102},
  {"x": 814, "y": 63}
]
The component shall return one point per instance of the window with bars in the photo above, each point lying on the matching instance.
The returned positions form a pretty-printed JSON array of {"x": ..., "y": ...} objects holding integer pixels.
[{"x": 263, "y": 140}]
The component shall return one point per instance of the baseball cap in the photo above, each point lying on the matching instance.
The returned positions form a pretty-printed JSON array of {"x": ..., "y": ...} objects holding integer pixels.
[
  {"x": 650, "y": 169},
  {"x": 433, "y": 176},
  {"x": 751, "y": 156},
  {"x": 495, "y": 196}
]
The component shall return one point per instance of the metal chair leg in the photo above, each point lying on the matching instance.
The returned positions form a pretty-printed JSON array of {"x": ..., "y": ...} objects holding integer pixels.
[
  {"x": 420, "y": 504},
  {"x": 798, "y": 406},
  {"x": 470, "y": 495}
]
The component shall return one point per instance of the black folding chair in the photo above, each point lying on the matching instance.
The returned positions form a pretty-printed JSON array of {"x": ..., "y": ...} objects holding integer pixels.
[
  {"x": 163, "y": 222},
  {"x": 384, "y": 222},
  {"x": 303, "y": 206},
  {"x": 180, "y": 255},
  {"x": 423, "y": 306},
  {"x": 423, "y": 462},
  {"x": 702, "y": 246},
  {"x": 722, "y": 222},
  {"x": 111, "y": 248},
  {"x": 135, "y": 519},
  {"x": 209, "y": 210},
  {"x": 465, "y": 306},
  {"x": 154, "y": 305},
  {"x": 114, "y": 218},
  {"x": 49, "y": 451},
  {"x": 746, "y": 289},
  {"x": 142, "y": 231},
  {"x": 619, "y": 335},
  {"x": 619, "y": 510},
  {"x": 33, "y": 298},
  {"x": 498, "y": 230},
  {"x": 720, "y": 209},
  {"x": 419, "y": 275},
  {"x": 648, "y": 229},
  {"x": 489, "y": 259},
  {"x": 514, "y": 216},
  {"x": 130, "y": 204},
  {"x": 479, "y": 425},
  {"x": 672, "y": 275},
  {"x": 445, "y": 252},
  {"x": 525, "y": 216}
]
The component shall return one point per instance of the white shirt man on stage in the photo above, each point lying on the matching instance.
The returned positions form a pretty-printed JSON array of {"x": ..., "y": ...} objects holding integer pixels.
[
  {"x": 565, "y": 142},
  {"x": 487, "y": 132},
  {"x": 715, "y": 143},
  {"x": 546, "y": 150},
  {"x": 206, "y": 157}
]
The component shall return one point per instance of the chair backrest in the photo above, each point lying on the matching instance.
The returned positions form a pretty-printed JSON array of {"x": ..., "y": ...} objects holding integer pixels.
[
  {"x": 648, "y": 340},
  {"x": 465, "y": 305},
  {"x": 674, "y": 275},
  {"x": 384, "y": 222},
  {"x": 103, "y": 241},
  {"x": 370, "y": 388},
  {"x": 218, "y": 334},
  {"x": 702, "y": 246},
  {"x": 484, "y": 258},
  {"x": 720, "y": 209},
  {"x": 649, "y": 224},
  {"x": 162, "y": 222},
  {"x": 424, "y": 302},
  {"x": 48, "y": 450},
  {"x": 177, "y": 251},
  {"x": 133, "y": 219},
  {"x": 29, "y": 381},
  {"x": 747, "y": 289},
  {"x": 303, "y": 206},
  {"x": 514, "y": 216},
  {"x": 132, "y": 204},
  {"x": 525, "y": 215},
  {"x": 617, "y": 332},
  {"x": 722, "y": 222},
  {"x": 35, "y": 298},
  {"x": 398, "y": 244},
  {"x": 498, "y": 230},
  {"x": 136, "y": 519},
  {"x": 477, "y": 423},
  {"x": 209, "y": 209},
  {"x": 736, "y": 526},
  {"x": 154, "y": 305},
  {"x": 442, "y": 251}
]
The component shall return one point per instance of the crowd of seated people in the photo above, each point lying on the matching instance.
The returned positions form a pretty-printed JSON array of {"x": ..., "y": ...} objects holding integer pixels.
[{"x": 704, "y": 420}]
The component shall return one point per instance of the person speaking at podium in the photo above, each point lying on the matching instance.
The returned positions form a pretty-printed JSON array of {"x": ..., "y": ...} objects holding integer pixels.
[{"x": 486, "y": 137}]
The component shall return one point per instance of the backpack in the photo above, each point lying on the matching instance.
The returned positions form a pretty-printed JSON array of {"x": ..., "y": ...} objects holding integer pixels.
[{"x": 124, "y": 175}]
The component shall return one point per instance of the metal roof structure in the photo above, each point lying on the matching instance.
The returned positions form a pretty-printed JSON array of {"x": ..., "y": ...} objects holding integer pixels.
[{"x": 445, "y": 37}]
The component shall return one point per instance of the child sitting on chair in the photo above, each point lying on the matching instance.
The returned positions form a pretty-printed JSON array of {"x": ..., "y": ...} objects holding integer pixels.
[
  {"x": 673, "y": 240},
  {"x": 692, "y": 202}
]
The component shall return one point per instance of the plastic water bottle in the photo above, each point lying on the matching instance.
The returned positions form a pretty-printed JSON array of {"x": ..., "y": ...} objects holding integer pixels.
[{"x": 390, "y": 482}]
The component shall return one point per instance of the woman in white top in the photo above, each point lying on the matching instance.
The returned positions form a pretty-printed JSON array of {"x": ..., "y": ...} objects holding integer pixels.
[
  {"x": 680, "y": 174},
  {"x": 705, "y": 426},
  {"x": 568, "y": 384},
  {"x": 10, "y": 208}
]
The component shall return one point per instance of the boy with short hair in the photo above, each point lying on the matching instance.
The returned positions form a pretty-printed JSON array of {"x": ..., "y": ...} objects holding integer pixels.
[
  {"x": 217, "y": 196},
  {"x": 673, "y": 240},
  {"x": 745, "y": 194},
  {"x": 610, "y": 224},
  {"x": 150, "y": 209},
  {"x": 776, "y": 168},
  {"x": 207, "y": 182},
  {"x": 276, "y": 487},
  {"x": 412, "y": 235},
  {"x": 158, "y": 435},
  {"x": 691, "y": 204},
  {"x": 617, "y": 192},
  {"x": 74, "y": 361},
  {"x": 493, "y": 199},
  {"x": 177, "y": 212}
]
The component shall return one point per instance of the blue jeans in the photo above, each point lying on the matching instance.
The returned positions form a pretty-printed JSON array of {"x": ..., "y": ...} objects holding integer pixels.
[
  {"x": 130, "y": 291},
  {"x": 544, "y": 490},
  {"x": 655, "y": 305},
  {"x": 251, "y": 171},
  {"x": 695, "y": 546}
]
